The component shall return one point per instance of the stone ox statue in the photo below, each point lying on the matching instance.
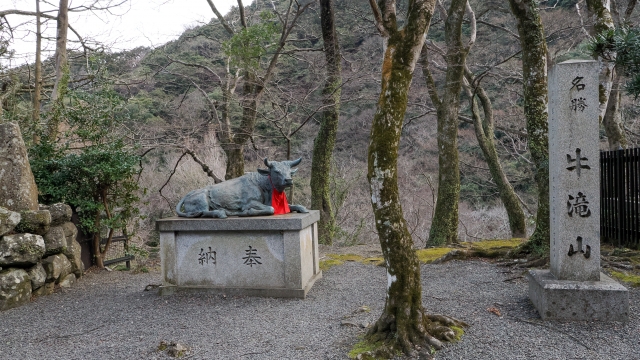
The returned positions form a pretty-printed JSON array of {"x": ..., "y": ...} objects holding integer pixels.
[{"x": 252, "y": 194}]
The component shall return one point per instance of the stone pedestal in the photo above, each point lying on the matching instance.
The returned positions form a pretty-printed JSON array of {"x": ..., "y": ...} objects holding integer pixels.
[
  {"x": 603, "y": 300},
  {"x": 271, "y": 256},
  {"x": 574, "y": 288}
]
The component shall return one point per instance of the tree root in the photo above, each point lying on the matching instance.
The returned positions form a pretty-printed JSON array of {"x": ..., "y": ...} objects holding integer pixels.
[{"x": 415, "y": 337}]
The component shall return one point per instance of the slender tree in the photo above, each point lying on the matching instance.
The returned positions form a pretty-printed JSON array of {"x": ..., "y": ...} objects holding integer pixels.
[
  {"x": 609, "y": 88},
  {"x": 534, "y": 69},
  {"x": 254, "y": 84},
  {"x": 484, "y": 133},
  {"x": 62, "y": 69},
  {"x": 444, "y": 229},
  {"x": 325, "y": 140},
  {"x": 37, "y": 89},
  {"x": 403, "y": 324}
]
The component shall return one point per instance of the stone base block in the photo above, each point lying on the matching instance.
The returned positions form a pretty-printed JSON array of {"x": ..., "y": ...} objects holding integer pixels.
[
  {"x": 272, "y": 256},
  {"x": 604, "y": 300},
  {"x": 274, "y": 292}
]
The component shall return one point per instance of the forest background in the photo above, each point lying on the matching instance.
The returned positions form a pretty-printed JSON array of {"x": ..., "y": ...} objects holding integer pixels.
[{"x": 162, "y": 112}]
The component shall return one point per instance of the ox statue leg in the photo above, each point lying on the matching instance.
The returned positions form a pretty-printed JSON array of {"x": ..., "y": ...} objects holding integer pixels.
[
  {"x": 256, "y": 209},
  {"x": 298, "y": 208},
  {"x": 220, "y": 214}
]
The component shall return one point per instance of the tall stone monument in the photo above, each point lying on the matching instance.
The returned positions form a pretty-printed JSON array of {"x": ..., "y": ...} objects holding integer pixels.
[
  {"x": 18, "y": 189},
  {"x": 574, "y": 288}
]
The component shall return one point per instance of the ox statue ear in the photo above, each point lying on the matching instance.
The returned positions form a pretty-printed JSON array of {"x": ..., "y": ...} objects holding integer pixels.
[
  {"x": 266, "y": 162},
  {"x": 293, "y": 171},
  {"x": 293, "y": 163},
  {"x": 264, "y": 172}
]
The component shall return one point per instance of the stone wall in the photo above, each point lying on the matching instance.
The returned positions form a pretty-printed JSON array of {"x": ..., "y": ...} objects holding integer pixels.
[{"x": 38, "y": 251}]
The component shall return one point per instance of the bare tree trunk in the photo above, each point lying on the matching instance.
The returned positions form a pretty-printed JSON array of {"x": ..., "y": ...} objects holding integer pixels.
[
  {"x": 37, "y": 88},
  {"x": 254, "y": 86},
  {"x": 61, "y": 47},
  {"x": 444, "y": 229},
  {"x": 484, "y": 134},
  {"x": 534, "y": 66},
  {"x": 62, "y": 70},
  {"x": 613, "y": 118},
  {"x": 325, "y": 140},
  {"x": 600, "y": 13},
  {"x": 403, "y": 323}
]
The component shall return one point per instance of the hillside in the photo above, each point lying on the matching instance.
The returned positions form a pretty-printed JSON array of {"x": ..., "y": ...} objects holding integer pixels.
[{"x": 164, "y": 92}]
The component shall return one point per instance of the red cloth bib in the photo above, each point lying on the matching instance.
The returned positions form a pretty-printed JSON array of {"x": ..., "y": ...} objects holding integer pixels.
[{"x": 279, "y": 201}]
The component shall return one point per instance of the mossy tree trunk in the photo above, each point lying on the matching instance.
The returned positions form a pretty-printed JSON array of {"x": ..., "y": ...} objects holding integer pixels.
[
  {"x": 600, "y": 13},
  {"x": 62, "y": 71},
  {"x": 484, "y": 134},
  {"x": 403, "y": 324},
  {"x": 613, "y": 118},
  {"x": 325, "y": 141},
  {"x": 37, "y": 88},
  {"x": 444, "y": 229},
  {"x": 534, "y": 66}
]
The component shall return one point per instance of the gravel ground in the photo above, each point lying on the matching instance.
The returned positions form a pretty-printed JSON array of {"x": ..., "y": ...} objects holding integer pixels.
[{"x": 107, "y": 315}]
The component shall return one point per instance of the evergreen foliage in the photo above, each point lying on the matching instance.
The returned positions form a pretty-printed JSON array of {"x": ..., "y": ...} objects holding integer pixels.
[
  {"x": 94, "y": 169},
  {"x": 624, "y": 42}
]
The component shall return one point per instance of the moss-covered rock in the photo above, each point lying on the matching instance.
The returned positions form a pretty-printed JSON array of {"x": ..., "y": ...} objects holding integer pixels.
[
  {"x": 38, "y": 276},
  {"x": 18, "y": 191},
  {"x": 21, "y": 250},
  {"x": 73, "y": 251},
  {"x": 57, "y": 267},
  {"x": 34, "y": 222},
  {"x": 67, "y": 281},
  {"x": 60, "y": 213},
  {"x": 8, "y": 220},
  {"x": 15, "y": 288},
  {"x": 54, "y": 241}
]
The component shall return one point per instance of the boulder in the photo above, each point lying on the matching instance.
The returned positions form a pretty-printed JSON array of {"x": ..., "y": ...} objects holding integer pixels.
[
  {"x": 18, "y": 190},
  {"x": 38, "y": 276},
  {"x": 15, "y": 288},
  {"x": 21, "y": 249},
  {"x": 57, "y": 267},
  {"x": 70, "y": 230},
  {"x": 54, "y": 241},
  {"x": 67, "y": 281},
  {"x": 34, "y": 222},
  {"x": 46, "y": 289},
  {"x": 74, "y": 253},
  {"x": 60, "y": 213},
  {"x": 73, "y": 250},
  {"x": 8, "y": 220}
]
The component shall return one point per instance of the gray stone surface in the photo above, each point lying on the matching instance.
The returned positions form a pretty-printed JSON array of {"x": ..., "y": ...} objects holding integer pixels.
[
  {"x": 291, "y": 221},
  {"x": 15, "y": 288},
  {"x": 574, "y": 170},
  {"x": 38, "y": 276},
  {"x": 60, "y": 213},
  {"x": 275, "y": 262},
  {"x": 8, "y": 220},
  {"x": 21, "y": 249},
  {"x": 56, "y": 266},
  {"x": 34, "y": 222},
  {"x": 18, "y": 189},
  {"x": 67, "y": 281},
  {"x": 603, "y": 300},
  {"x": 73, "y": 252},
  {"x": 132, "y": 322},
  {"x": 54, "y": 241}
]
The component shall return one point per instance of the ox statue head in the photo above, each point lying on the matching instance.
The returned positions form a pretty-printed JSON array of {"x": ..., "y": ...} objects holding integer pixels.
[{"x": 280, "y": 172}]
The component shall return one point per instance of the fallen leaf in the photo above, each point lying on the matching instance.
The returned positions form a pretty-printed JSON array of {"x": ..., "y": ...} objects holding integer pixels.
[{"x": 494, "y": 310}]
